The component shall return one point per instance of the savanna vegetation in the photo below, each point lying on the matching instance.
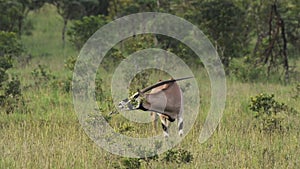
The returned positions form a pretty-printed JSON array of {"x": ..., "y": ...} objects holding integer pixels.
[{"x": 257, "y": 41}]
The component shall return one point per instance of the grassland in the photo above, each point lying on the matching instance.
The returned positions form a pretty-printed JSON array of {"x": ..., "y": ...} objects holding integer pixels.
[{"x": 50, "y": 136}]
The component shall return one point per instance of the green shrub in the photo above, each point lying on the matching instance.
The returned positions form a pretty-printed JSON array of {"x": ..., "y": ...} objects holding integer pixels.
[
  {"x": 179, "y": 156},
  {"x": 130, "y": 163},
  {"x": 70, "y": 63},
  {"x": 270, "y": 113},
  {"x": 83, "y": 29},
  {"x": 10, "y": 45},
  {"x": 5, "y": 64},
  {"x": 11, "y": 99},
  {"x": 42, "y": 76},
  {"x": 245, "y": 71}
]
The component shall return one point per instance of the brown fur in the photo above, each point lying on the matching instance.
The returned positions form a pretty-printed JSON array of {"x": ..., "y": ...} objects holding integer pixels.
[{"x": 172, "y": 106}]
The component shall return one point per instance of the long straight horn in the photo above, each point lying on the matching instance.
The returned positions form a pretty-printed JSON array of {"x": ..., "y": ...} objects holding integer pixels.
[{"x": 162, "y": 83}]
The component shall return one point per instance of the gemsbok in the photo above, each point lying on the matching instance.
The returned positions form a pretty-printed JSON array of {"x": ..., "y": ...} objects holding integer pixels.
[{"x": 164, "y": 100}]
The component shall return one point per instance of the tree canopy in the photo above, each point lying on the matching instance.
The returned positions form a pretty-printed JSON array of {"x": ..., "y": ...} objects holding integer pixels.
[{"x": 261, "y": 33}]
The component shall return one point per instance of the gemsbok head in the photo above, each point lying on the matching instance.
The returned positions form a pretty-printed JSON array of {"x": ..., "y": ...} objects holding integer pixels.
[{"x": 164, "y": 99}]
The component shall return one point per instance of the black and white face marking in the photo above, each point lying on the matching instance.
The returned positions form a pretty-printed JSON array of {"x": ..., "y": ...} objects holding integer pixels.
[
  {"x": 130, "y": 103},
  {"x": 126, "y": 105}
]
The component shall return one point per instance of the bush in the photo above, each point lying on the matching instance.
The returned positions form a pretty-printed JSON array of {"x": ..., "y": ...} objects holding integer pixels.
[
  {"x": 9, "y": 44},
  {"x": 42, "y": 75},
  {"x": 179, "y": 156},
  {"x": 83, "y": 29},
  {"x": 244, "y": 71},
  {"x": 129, "y": 163},
  {"x": 270, "y": 113},
  {"x": 5, "y": 64},
  {"x": 67, "y": 83},
  {"x": 11, "y": 99},
  {"x": 70, "y": 63}
]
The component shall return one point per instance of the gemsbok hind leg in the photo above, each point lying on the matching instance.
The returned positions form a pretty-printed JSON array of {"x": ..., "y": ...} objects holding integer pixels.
[
  {"x": 180, "y": 125},
  {"x": 180, "y": 117}
]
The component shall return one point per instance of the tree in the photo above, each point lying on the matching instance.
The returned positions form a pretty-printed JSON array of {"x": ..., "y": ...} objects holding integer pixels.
[
  {"x": 9, "y": 14},
  {"x": 14, "y": 13},
  {"x": 292, "y": 22},
  {"x": 82, "y": 29},
  {"x": 68, "y": 10},
  {"x": 76, "y": 9},
  {"x": 256, "y": 33},
  {"x": 25, "y": 7},
  {"x": 223, "y": 22},
  {"x": 273, "y": 35},
  {"x": 119, "y": 8},
  {"x": 96, "y": 7}
]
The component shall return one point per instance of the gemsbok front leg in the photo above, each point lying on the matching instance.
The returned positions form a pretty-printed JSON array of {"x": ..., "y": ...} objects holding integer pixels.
[
  {"x": 154, "y": 119},
  {"x": 165, "y": 125}
]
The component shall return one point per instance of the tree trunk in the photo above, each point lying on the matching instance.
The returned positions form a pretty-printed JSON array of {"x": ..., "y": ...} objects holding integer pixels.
[
  {"x": 20, "y": 25},
  {"x": 284, "y": 51},
  {"x": 64, "y": 32},
  {"x": 275, "y": 54}
]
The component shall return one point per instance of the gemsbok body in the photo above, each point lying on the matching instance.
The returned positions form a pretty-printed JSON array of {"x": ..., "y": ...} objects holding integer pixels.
[{"x": 164, "y": 100}]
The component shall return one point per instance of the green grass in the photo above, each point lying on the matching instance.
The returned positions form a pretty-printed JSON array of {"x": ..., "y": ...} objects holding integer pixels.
[{"x": 50, "y": 136}]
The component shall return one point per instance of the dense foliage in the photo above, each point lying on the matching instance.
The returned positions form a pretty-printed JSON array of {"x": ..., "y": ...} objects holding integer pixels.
[
  {"x": 82, "y": 29},
  {"x": 10, "y": 88},
  {"x": 271, "y": 114},
  {"x": 265, "y": 33}
]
